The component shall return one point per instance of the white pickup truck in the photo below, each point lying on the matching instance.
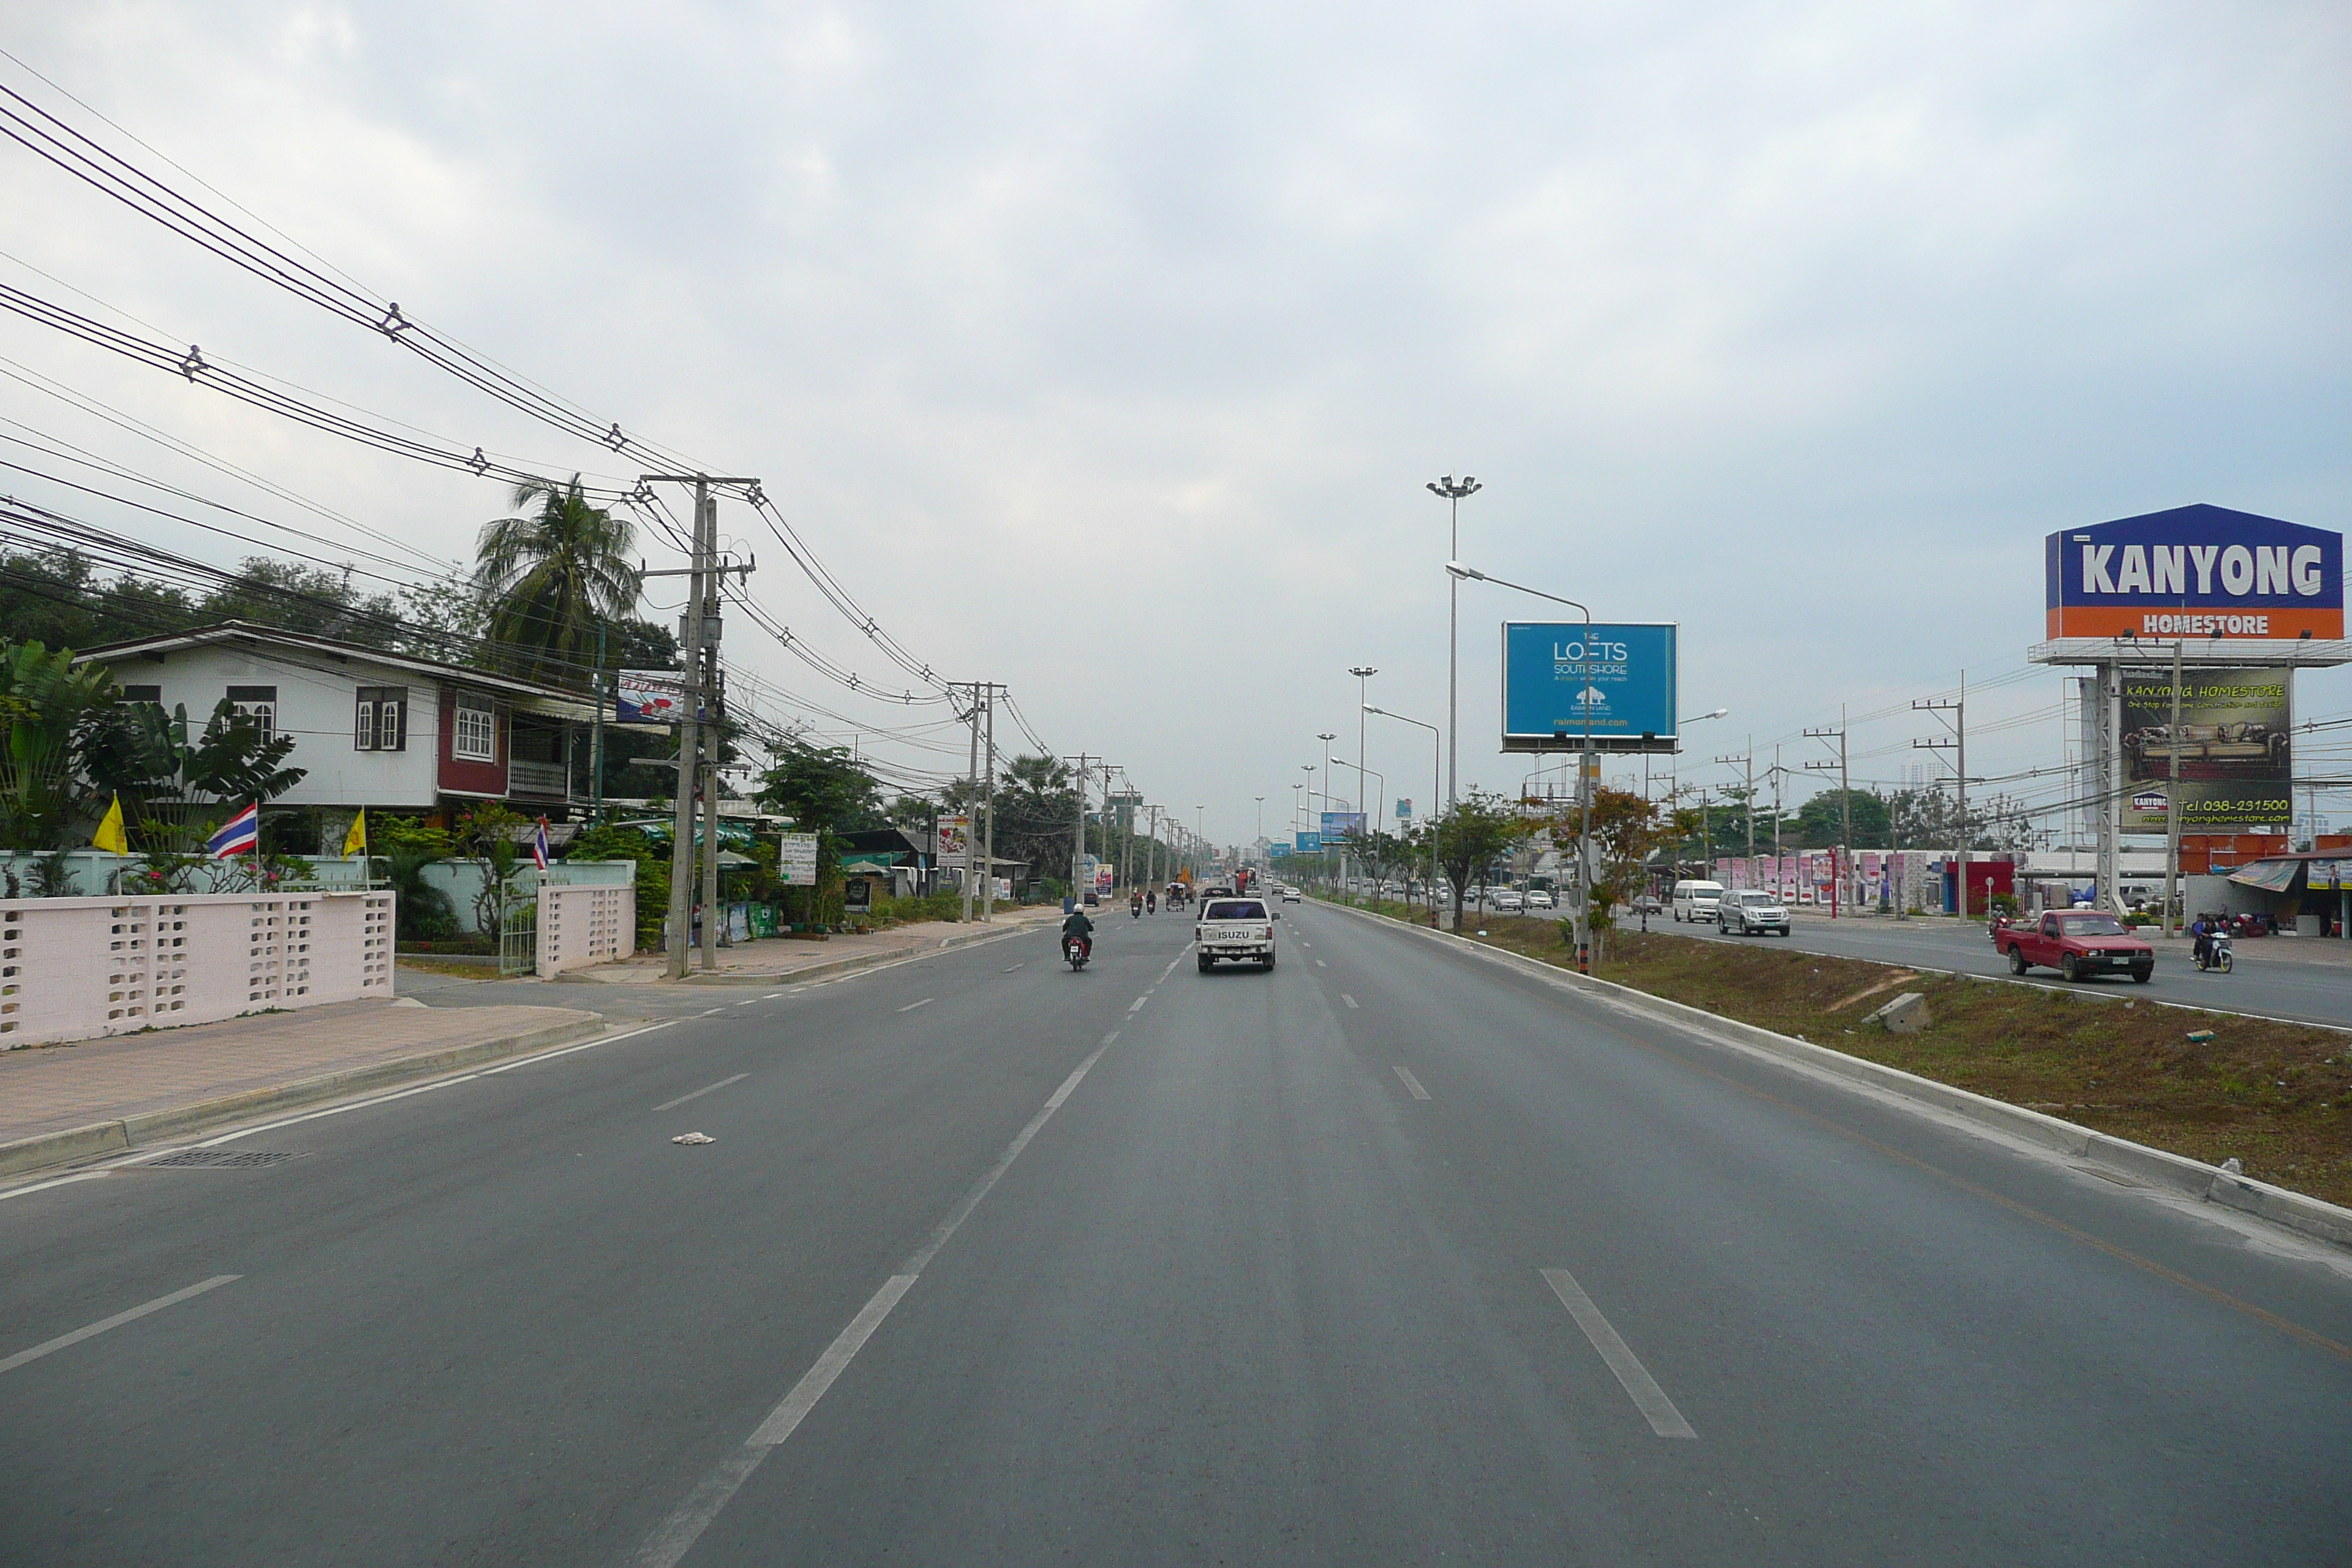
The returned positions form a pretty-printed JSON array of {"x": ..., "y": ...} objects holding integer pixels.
[{"x": 1241, "y": 930}]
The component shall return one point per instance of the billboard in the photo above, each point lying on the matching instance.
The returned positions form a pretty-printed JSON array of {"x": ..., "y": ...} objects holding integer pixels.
[
  {"x": 1623, "y": 684},
  {"x": 2195, "y": 570},
  {"x": 1403, "y": 807},
  {"x": 2235, "y": 751},
  {"x": 953, "y": 846},
  {"x": 1309, "y": 843},
  {"x": 1338, "y": 824},
  {"x": 649, "y": 697}
]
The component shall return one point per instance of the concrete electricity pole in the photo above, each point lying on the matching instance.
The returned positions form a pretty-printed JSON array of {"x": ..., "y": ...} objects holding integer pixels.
[
  {"x": 1079, "y": 843},
  {"x": 699, "y": 655},
  {"x": 1959, "y": 745},
  {"x": 1846, "y": 807}
]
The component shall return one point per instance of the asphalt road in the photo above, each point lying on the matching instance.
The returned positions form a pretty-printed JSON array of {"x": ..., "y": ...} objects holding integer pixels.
[
  {"x": 1391, "y": 1256},
  {"x": 2300, "y": 990}
]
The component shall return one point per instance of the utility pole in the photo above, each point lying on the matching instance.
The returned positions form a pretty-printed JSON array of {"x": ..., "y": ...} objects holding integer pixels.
[
  {"x": 1748, "y": 762},
  {"x": 699, "y": 655},
  {"x": 1845, "y": 808},
  {"x": 1958, "y": 743},
  {"x": 1452, "y": 494},
  {"x": 1079, "y": 843}
]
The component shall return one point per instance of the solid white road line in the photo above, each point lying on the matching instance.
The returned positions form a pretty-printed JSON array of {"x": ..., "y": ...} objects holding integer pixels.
[
  {"x": 676, "y": 1535},
  {"x": 115, "y": 1321},
  {"x": 1350, "y": 1001},
  {"x": 1411, "y": 1084},
  {"x": 1664, "y": 1419},
  {"x": 924, "y": 1003},
  {"x": 698, "y": 1093},
  {"x": 45, "y": 1186}
]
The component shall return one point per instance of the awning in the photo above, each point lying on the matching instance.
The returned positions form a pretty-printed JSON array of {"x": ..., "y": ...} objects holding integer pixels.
[
  {"x": 2270, "y": 876},
  {"x": 869, "y": 860}
]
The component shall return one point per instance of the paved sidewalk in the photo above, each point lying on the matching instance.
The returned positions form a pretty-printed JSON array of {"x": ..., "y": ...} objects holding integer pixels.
[
  {"x": 781, "y": 958},
  {"x": 114, "y": 1091}
]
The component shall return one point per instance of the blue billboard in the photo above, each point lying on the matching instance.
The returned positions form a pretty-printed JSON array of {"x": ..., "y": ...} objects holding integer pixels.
[
  {"x": 1622, "y": 685},
  {"x": 1339, "y": 825},
  {"x": 1309, "y": 843}
]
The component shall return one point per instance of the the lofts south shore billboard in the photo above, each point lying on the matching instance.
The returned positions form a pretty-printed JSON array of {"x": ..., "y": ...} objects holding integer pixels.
[{"x": 2196, "y": 572}]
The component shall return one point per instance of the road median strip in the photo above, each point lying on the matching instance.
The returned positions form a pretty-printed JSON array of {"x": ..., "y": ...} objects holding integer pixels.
[{"x": 2142, "y": 1162}]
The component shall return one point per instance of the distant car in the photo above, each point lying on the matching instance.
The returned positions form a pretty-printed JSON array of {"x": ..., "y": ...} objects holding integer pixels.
[
  {"x": 1094, "y": 901},
  {"x": 1289, "y": 895},
  {"x": 1750, "y": 910},
  {"x": 1539, "y": 900},
  {"x": 1507, "y": 900}
]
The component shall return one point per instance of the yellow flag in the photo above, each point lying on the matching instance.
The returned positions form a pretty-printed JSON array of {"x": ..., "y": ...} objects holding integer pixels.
[
  {"x": 355, "y": 841},
  {"x": 109, "y": 835}
]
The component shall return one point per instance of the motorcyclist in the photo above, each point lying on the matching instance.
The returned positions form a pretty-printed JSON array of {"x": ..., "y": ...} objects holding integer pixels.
[
  {"x": 1151, "y": 902},
  {"x": 2201, "y": 928},
  {"x": 1077, "y": 927},
  {"x": 1134, "y": 903}
]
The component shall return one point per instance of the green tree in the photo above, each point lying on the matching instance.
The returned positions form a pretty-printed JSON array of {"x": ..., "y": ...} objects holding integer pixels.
[
  {"x": 44, "y": 702},
  {"x": 553, "y": 576},
  {"x": 824, "y": 789},
  {"x": 1480, "y": 828},
  {"x": 1820, "y": 823},
  {"x": 311, "y": 600}
]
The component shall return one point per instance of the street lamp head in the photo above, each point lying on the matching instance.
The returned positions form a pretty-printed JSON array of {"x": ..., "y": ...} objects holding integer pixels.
[
  {"x": 1362, "y": 671},
  {"x": 1456, "y": 569},
  {"x": 1326, "y": 734},
  {"x": 1448, "y": 489},
  {"x": 1369, "y": 708}
]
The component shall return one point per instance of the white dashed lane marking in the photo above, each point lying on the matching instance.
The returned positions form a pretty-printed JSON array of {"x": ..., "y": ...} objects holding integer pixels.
[
  {"x": 1350, "y": 1001},
  {"x": 924, "y": 1003},
  {"x": 1411, "y": 1084}
]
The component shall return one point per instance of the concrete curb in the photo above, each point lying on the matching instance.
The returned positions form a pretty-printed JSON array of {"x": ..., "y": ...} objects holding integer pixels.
[
  {"x": 76, "y": 1143},
  {"x": 2154, "y": 1167}
]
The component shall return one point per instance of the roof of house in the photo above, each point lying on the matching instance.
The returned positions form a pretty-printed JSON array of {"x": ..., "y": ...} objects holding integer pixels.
[{"x": 533, "y": 696}]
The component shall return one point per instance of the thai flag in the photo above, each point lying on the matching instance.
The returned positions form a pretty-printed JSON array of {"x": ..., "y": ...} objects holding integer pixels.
[
  {"x": 240, "y": 835},
  {"x": 538, "y": 845}
]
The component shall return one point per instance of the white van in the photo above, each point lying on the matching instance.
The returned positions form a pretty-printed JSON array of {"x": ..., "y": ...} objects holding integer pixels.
[{"x": 1696, "y": 900}]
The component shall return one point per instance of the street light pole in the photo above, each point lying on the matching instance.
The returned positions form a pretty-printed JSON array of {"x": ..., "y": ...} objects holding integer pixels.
[
  {"x": 1434, "y": 747},
  {"x": 1452, "y": 494},
  {"x": 1363, "y": 674},
  {"x": 1584, "y": 779}
]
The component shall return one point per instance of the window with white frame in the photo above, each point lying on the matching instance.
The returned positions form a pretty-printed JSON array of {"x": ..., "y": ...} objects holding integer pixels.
[
  {"x": 380, "y": 722},
  {"x": 258, "y": 703},
  {"x": 475, "y": 736}
]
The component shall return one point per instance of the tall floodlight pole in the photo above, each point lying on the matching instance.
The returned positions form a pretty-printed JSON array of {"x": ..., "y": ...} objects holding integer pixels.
[
  {"x": 1363, "y": 674},
  {"x": 1261, "y": 818},
  {"x": 1452, "y": 494},
  {"x": 1584, "y": 773}
]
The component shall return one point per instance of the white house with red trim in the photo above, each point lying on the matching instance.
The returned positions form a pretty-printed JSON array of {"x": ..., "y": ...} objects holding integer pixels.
[{"x": 386, "y": 731}]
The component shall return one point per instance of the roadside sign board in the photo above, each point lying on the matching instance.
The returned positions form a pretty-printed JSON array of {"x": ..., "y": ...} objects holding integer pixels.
[
  {"x": 2235, "y": 746},
  {"x": 796, "y": 867},
  {"x": 2195, "y": 571},
  {"x": 649, "y": 697},
  {"x": 1623, "y": 682},
  {"x": 953, "y": 847},
  {"x": 1309, "y": 843},
  {"x": 1338, "y": 824}
]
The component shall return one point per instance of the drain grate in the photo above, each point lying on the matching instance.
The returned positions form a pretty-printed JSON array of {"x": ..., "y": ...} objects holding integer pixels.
[{"x": 222, "y": 1159}]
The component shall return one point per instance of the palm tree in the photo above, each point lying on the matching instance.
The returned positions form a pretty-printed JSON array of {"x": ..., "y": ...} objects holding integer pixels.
[{"x": 553, "y": 576}]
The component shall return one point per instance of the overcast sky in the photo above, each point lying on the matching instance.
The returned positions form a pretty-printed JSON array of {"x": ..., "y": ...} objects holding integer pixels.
[{"x": 1105, "y": 350}]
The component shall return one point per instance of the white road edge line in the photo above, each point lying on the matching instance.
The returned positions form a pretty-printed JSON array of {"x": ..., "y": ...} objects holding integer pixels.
[
  {"x": 1350, "y": 1001},
  {"x": 1411, "y": 1084},
  {"x": 1664, "y": 1419},
  {"x": 676, "y": 1535},
  {"x": 45, "y": 1186},
  {"x": 115, "y": 1321},
  {"x": 924, "y": 1003},
  {"x": 698, "y": 1093}
]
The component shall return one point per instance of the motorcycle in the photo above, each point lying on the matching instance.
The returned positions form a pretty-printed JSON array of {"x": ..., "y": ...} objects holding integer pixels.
[
  {"x": 1135, "y": 909},
  {"x": 2215, "y": 953},
  {"x": 1077, "y": 950}
]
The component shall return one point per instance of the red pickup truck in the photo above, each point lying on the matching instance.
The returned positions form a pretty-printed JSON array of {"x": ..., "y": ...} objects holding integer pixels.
[{"x": 2078, "y": 944}]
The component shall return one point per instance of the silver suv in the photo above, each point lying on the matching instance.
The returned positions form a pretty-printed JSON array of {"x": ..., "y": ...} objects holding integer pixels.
[{"x": 1750, "y": 910}]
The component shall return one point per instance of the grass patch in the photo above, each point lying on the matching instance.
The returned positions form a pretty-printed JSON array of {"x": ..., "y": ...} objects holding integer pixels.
[{"x": 2275, "y": 1096}]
